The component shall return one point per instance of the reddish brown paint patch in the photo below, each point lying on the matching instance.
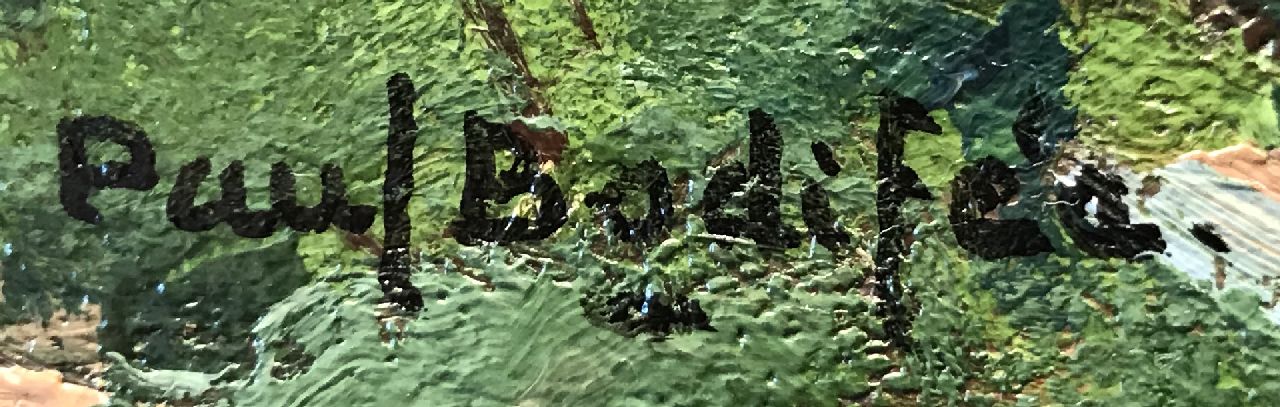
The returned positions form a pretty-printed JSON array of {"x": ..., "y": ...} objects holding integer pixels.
[
  {"x": 1245, "y": 162},
  {"x": 499, "y": 36}
]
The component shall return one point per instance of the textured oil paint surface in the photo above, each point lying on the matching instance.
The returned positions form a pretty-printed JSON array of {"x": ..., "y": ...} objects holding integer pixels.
[{"x": 1170, "y": 105}]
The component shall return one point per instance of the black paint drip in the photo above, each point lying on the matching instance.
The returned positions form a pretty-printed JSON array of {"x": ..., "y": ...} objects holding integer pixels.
[
  {"x": 825, "y": 158},
  {"x": 897, "y": 182},
  {"x": 1113, "y": 236},
  {"x": 980, "y": 189},
  {"x": 763, "y": 221},
  {"x": 474, "y": 226},
  {"x": 79, "y": 179},
  {"x": 1207, "y": 234},
  {"x": 652, "y": 178},
  {"x": 632, "y": 312}
]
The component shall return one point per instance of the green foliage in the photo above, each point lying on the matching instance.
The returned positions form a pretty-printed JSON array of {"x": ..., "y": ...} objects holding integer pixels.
[
  {"x": 1063, "y": 329},
  {"x": 938, "y": 158},
  {"x": 1154, "y": 87},
  {"x": 672, "y": 80},
  {"x": 191, "y": 320},
  {"x": 526, "y": 342}
]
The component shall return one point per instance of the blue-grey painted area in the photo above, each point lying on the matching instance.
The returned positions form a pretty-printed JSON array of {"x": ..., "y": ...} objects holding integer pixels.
[{"x": 1247, "y": 220}]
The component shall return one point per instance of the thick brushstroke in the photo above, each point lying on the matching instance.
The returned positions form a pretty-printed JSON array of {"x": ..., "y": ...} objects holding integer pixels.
[
  {"x": 1207, "y": 235},
  {"x": 243, "y": 221},
  {"x": 635, "y": 312},
  {"x": 825, "y": 158},
  {"x": 1113, "y": 235},
  {"x": 474, "y": 225},
  {"x": 1030, "y": 127},
  {"x": 231, "y": 208},
  {"x": 763, "y": 221},
  {"x": 332, "y": 208},
  {"x": 980, "y": 189},
  {"x": 181, "y": 208},
  {"x": 397, "y": 188},
  {"x": 815, "y": 203},
  {"x": 79, "y": 179},
  {"x": 897, "y": 182},
  {"x": 650, "y": 177}
]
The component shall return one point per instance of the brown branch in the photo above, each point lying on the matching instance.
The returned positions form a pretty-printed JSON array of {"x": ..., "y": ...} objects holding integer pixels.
[
  {"x": 362, "y": 241},
  {"x": 499, "y": 36},
  {"x": 583, "y": 20},
  {"x": 1257, "y": 28},
  {"x": 478, "y": 278},
  {"x": 371, "y": 245}
]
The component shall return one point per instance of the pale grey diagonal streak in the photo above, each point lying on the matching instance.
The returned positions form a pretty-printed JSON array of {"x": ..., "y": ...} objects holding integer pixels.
[
  {"x": 1194, "y": 193},
  {"x": 1247, "y": 220}
]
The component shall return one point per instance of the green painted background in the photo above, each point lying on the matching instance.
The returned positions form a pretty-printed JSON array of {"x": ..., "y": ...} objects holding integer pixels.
[{"x": 303, "y": 82}]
